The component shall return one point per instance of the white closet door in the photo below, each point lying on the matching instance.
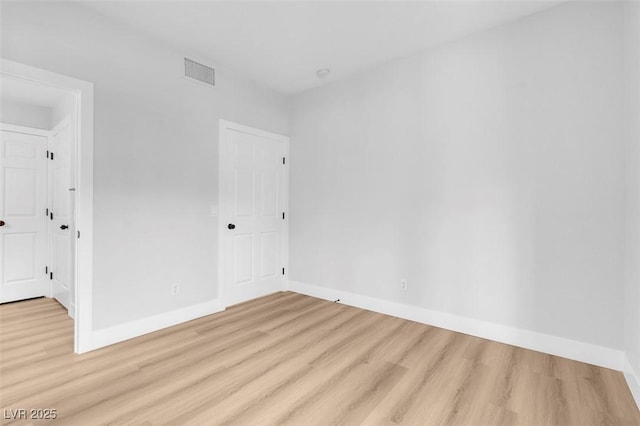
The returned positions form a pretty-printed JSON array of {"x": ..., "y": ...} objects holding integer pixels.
[
  {"x": 23, "y": 239},
  {"x": 253, "y": 188},
  {"x": 61, "y": 218}
]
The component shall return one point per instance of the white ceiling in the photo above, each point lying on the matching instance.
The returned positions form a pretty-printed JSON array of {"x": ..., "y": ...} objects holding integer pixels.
[
  {"x": 282, "y": 44},
  {"x": 18, "y": 90}
]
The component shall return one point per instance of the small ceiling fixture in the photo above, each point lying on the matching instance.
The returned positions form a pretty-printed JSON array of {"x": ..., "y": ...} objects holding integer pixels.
[{"x": 323, "y": 72}]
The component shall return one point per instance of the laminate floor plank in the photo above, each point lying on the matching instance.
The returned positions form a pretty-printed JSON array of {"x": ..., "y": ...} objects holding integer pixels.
[{"x": 290, "y": 359}]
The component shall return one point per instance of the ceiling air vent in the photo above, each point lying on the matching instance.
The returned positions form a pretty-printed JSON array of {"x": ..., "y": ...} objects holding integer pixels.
[{"x": 199, "y": 72}]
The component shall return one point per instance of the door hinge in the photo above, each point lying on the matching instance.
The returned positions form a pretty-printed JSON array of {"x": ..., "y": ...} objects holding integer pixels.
[
  {"x": 47, "y": 154},
  {"x": 282, "y": 271},
  {"x": 78, "y": 234},
  {"x": 51, "y": 215},
  {"x": 284, "y": 161},
  {"x": 50, "y": 275},
  {"x": 52, "y": 155},
  {"x": 282, "y": 215},
  {"x": 46, "y": 270},
  {"x": 47, "y": 213}
]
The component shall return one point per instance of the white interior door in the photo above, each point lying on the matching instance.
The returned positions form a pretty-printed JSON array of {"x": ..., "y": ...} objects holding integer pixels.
[
  {"x": 23, "y": 186},
  {"x": 253, "y": 207},
  {"x": 60, "y": 211}
]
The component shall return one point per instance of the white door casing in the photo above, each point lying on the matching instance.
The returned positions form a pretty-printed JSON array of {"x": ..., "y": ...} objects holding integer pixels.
[
  {"x": 254, "y": 201},
  {"x": 23, "y": 180},
  {"x": 83, "y": 93},
  {"x": 61, "y": 147}
]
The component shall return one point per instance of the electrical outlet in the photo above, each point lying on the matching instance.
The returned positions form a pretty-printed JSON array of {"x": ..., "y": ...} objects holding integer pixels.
[
  {"x": 403, "y": 285},
  {"x": 175, "y": 288}
]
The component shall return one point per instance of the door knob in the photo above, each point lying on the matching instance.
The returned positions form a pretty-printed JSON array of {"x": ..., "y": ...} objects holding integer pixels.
[
  {"x": 1, "y": 222},
  {"x": 63, "y": 227},
  {"x": 231, "y": 226}
]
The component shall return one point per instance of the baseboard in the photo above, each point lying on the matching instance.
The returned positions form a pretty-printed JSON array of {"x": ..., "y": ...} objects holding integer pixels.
[
  {"x": 633, "y": 380},
  {"x": 286, "y": 285},
  {"x": 567, "y": 348},
  {"x": 119, "y": 333}
]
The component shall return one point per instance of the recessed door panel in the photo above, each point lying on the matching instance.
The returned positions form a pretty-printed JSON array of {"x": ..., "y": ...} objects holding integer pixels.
[
  {"x": 21, "y": 149},
  {"x": 60, "y": 192},
  {"x": 60, "y": 256},
  {"x": 243, "y": 254},
  {"x": 269, "y": 157},
  {"x": 21, "y": 199},
  {"x": 244, "y": 149},
  {"x": 268, "y": 254},
  {"x": 243, "y": 192},
  {"x": 269, "y": 181},
  {"x": 19, "y": 256}
]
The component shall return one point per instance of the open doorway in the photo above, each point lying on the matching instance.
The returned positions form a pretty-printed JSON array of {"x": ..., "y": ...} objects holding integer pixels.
[
  {"x": 37, "y": 186},
  {"x": 46, "y": 160}
]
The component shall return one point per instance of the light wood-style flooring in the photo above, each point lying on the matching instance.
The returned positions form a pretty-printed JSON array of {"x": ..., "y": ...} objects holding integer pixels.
[{"x": 289, "y": 359}]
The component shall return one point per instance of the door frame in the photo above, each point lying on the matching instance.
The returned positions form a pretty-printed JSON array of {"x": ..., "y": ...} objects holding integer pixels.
[
  {"x": 224, "y": 127},
  {"x": 83, "y": 91}
]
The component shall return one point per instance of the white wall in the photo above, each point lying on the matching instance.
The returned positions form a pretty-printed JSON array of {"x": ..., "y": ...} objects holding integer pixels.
[
  {"x": 21, "y": 114},
  {"x": 488, "y": 172},
  {"x": 155, "y": 152},
  {"x": 632, "y": 289}
]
